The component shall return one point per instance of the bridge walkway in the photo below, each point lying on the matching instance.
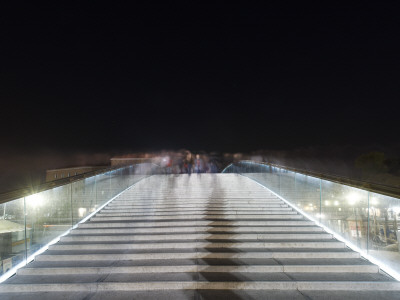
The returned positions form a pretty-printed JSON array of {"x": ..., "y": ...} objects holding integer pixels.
[{"x": 202, "y": 236}]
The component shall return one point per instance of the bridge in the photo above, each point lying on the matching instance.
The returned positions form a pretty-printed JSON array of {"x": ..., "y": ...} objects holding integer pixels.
[{"x": 256, "y": 231}]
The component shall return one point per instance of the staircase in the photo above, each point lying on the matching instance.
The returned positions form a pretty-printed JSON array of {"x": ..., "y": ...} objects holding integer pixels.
[{"x": 202, "y": 236}]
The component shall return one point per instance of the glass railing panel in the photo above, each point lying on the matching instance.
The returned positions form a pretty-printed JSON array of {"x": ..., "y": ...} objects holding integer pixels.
[
  {"x": 287, "y": 186},
  {"x": 365, "y": 219},
  {"x": 384, "y": 231},
  {"x": 84, "y": 200},
  {"x": 29, "y": 224},
  {"x": 345, "y": 211},
  {"x": 265, "y": 175},
  {"x": 124, "y": 175},
  {"x": 271, "y": 178},
  {"x": 102, "y": 188},
  {"x": 304, "y": 193},
  {"x": 12, "y": 234},
  {"x": 114, "y": 183},
  {"x": 48, "y": 215},
  {"x": 129, "y": 176},
  {"x": 124, "y": 178}
]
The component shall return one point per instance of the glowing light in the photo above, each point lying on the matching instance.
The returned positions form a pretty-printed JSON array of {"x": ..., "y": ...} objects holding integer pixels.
[
  {"x": 35, "y": 200},
  {"x": 374, "y": 201},
  {"x": 81, "y": 211},
  {"x": 353, "y": 198},
  {"x": 327, "y": 203},
  {"x": 336, "y": 203}
]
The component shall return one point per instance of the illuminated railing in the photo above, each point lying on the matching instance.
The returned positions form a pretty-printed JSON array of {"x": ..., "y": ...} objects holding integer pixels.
[
  {"x": 367, "y": 220},
  {"x": 30, "y": 223}
]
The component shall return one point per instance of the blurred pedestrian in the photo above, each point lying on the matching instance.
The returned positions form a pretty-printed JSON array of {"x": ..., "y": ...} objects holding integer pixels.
[
  {"x": 188, "y": 162},
  {"x": 198, "y": 164}
]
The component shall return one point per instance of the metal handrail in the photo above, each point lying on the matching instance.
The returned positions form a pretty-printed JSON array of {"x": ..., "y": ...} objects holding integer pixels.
[{"x": 387, "y": 190}]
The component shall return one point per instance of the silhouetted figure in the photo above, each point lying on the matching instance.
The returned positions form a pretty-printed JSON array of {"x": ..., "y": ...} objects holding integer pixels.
[
  {"x": 198, "y": 164},
  {"x": 188, "y": 163}
]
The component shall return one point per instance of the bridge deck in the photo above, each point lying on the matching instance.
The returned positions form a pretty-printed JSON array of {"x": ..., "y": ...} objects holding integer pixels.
[{"x": 199, "y": 237}]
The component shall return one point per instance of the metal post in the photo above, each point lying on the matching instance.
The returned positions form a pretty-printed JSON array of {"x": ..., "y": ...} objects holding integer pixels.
[
  {"x": 358, "y": 237},
  {"x": 320, "y": 200},
  {"x": 26, "y": 237},
  {"x": 110, "y": 184},
  {"x": 279, "y": 185},
  {"x": 72, "y": 207},
  {"x": 95, "y": 189},
  {"x": 368, "y": 224},
  {"x": 295, "y": 187}
]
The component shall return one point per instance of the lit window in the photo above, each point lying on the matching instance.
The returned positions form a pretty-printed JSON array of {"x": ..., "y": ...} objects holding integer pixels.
[
  {"x": 55, "y": 176},
  {"x": 68, "y": 174}
]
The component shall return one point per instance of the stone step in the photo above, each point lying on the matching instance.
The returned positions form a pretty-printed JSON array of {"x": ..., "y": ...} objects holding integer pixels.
[
  {"x": 201, "y": 276},
  {"x": 205, "y": 261},
  {"x": 198, "y": 196},
  {"x": 199, "y": 212},
  {"x": 201, "y": 268},
  {"x": 188, "y": 206},
  {"x": 207, "y": 294},
  {"x": 188, "y": 203},
  {"x": 197, "y": 255},
  {"x": 237, "y": 223},
  {"x": 193, "y": 209},
  {"x": 198, "y": 244},
  {"x": 201, "y": 197},
  {"x": 207, "y": 200},
  {"x": 199, "y": 217},
  {"x": 150, "y": 230},
  {"x": 198, "y": 285},
  {"x": 196, "y": 236}
]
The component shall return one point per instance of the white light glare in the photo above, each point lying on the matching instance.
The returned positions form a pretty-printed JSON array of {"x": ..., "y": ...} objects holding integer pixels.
[
  {"x": 81, "y": 211},
  {"x": 374, "y": 201},
  {"x": 353, "y": 198},
  {"x": 34, "y": 200}
]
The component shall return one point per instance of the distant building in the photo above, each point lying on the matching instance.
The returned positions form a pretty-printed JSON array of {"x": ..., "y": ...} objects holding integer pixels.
[
  {"x": 130, "y": 159},
  {"x": 68, "y": 172}
]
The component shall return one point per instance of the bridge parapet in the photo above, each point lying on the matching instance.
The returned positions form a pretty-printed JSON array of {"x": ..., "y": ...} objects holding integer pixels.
[
  {"x": 364, "y": 215},
  {"x": 32, "y": 219}
]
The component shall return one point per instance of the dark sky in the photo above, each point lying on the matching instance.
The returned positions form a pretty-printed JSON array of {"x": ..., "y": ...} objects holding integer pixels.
[{"x": 227, "y": 78}]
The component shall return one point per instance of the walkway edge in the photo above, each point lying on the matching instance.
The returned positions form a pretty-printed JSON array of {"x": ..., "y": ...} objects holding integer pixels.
[{"x": 190, "y": 285}]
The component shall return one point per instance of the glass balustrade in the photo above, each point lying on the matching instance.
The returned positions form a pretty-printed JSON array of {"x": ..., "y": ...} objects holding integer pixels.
[
  {"x": 366, "y": 220},
  {"x": 30, "y": 223},
  {"x": 13, "y": 234}
]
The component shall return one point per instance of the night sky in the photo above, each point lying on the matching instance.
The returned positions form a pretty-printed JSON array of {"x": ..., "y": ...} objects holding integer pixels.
[{"x": 204, "y": 77}]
